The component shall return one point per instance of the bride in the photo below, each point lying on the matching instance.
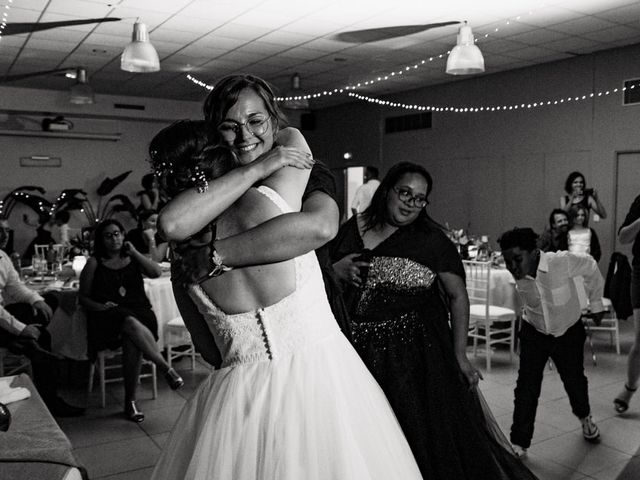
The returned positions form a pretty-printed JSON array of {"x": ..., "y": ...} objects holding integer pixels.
[{"x": 292, "y": 399}]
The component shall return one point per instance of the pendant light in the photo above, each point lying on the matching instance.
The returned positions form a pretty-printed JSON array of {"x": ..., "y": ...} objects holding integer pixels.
[
  {"x": 295, "y": 99},
  {"x": 465, "y": 58},
  {"x": 140, "y": 56},
  {"x": 81, "y": 92}
]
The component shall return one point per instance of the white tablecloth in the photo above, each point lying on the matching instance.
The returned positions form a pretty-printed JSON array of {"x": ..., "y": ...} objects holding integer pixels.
[
  {"x": 69, "y": 330},
  {"x": 502, "y": 290}
]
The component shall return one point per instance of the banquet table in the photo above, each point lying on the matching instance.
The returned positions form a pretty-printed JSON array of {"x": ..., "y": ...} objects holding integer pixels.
[
  {"x": 68, "y": 326},
  {"x": 34, "y": 447}
]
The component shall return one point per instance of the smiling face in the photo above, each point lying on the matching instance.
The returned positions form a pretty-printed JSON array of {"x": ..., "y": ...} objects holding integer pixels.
[
  {"x": 560, "y": 222},
  {"x": 249, "y": 137},
  {"x": 578, "y": 185},
  {"x": 401, "y": 213},
  {"x": 580, "y": 217}
]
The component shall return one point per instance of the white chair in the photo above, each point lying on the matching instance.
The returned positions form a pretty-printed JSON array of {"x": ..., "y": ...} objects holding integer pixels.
[
  {"x": 488, "y": 323},
  {"x": 176, "y": 334},
  {"x": 104, "y": 366},
  {"x": 609, "y": 324},
  {"x": 11, "y": 363}
]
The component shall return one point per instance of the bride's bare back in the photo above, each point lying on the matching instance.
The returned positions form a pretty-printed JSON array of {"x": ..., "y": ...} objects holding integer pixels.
[{"x": 250, "y": 288}]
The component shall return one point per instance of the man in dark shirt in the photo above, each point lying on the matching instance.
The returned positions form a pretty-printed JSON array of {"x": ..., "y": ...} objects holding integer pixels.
[{"x": 554, "y": 238}]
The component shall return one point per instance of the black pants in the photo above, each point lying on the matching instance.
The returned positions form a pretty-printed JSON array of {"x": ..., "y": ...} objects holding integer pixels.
[
  {"x": 567, "y": 353},
  {"x": 45, "y": 371}
]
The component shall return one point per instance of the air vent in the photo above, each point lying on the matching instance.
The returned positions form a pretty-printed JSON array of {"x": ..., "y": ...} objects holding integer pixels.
[
  {"x": 631, "y": 94},
  {"x": 128, "y": 106},
  {"x": 404, "y": 123}
]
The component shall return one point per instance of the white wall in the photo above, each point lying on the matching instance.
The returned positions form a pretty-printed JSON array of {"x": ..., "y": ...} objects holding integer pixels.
[
  {"x": 496, "y": 170},
  {"x": 85, "y": 162}
]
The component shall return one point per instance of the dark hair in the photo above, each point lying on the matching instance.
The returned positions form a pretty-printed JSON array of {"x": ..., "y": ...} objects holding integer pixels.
[
  {"x": 554, "y": 212},
  {"x": 572, "y": 176},
  {"x": 147, "y": 181},
  {"x": 182, "y": 153},
  {"x": 376, "y": 213},
  {"x": 523, "y": 238},
  {"x": 372, "y": 171},
  {"x": 225, "y": 95},
  {"x": 99, "y": 250},
  {"x": 62, "y": 216},
  {"x": 145, "y": 214},
  {"x": 573, "y": 213}
]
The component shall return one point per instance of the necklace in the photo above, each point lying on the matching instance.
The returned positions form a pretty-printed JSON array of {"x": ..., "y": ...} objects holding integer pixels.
[{"x": 122, "y": 291}]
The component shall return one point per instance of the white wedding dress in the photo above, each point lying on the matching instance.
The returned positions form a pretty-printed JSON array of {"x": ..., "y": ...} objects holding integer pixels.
[{"x": 292, "y": 401}]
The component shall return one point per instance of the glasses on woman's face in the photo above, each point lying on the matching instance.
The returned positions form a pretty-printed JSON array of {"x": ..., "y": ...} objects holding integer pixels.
[
  {"x": 405, "y": 196},
  {"x": 255, "y": 126},
  {"x": 110, "y": 235}
]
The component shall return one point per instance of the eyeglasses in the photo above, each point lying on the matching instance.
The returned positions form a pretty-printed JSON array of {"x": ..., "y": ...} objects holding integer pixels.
[
  {"x": 255, "y": 126},
  {"x": 407, "y": 197},
  {"x": 110, "y": 235}
]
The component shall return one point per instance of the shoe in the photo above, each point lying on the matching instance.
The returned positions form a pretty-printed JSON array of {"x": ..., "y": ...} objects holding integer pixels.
[
  {"x": 590, "y": 430},
  {"x": 132, "y": 413},
  {"x": 59, "y": 408},
  {"x": 622, "y": 404},
  {"x": 519, "y": 451},
  {"x": 173, "y": 379}
]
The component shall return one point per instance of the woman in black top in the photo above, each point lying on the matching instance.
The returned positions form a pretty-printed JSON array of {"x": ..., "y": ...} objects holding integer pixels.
[
  {"x": 404, "y": 283},
  {"x": 119, "y": 312}
]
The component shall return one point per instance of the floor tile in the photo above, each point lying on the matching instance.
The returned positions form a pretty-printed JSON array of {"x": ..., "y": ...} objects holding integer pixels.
[{"x": 117, "y": 457}]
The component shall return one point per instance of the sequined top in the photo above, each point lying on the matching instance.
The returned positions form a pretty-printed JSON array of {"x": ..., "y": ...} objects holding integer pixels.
[{"x": 403, "y": 272}]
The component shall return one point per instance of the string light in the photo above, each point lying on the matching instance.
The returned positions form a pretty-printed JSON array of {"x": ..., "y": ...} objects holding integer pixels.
[
  {"x": 492, "y": 108},
  {"x": 381, "y": 78},
  {"x": 5, "y": 15}
]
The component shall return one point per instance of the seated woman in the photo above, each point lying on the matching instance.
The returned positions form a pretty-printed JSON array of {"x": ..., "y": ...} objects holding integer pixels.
[
  {"x": 150, "y": 197},
  {"x": 579, "y": 194},
  {"x": 580, "y": 238},
  {"x": 119, "y": 312},
  {"x": 146, "y": 239}
]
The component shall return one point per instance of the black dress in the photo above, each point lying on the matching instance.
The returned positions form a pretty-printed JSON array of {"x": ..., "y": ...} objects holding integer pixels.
[
  {"x": 125, "y": 287},
  {"x": 399, "y": 326}
]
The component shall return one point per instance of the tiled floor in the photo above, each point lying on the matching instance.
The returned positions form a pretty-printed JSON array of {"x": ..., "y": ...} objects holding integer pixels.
[{"x": 114, "y": 448}]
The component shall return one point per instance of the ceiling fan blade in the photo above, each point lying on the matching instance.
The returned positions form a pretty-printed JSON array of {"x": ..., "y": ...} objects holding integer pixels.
[
  {"x": 385, "y": 33},
  {"x": 22, "y": 76},
  {"x": 18, "y": 28}
]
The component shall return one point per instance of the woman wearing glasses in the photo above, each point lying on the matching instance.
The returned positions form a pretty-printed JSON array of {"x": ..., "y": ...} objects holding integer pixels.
[
  {"x": 118, "y": 310},
  {"x": 291, "y": 399},
  {"x": 404, "y": 280}
]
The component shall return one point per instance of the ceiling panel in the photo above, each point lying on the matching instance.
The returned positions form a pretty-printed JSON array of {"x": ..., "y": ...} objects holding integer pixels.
[{"x": 276, "y": 38}]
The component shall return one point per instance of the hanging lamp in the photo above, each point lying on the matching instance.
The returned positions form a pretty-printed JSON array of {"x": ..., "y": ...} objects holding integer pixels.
[
  {"x": 465, "y": 58},
  {"x": 140, "y": 56}
]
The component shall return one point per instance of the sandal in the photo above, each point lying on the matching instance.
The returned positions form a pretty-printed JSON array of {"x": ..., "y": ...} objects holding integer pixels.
[
  {"x": 621, "y": 405},
  {"x": 132, "y": 413}
]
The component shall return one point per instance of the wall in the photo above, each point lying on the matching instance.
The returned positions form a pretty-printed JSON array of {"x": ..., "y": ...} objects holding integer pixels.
[
  {"x": 496, "y": 170},
  {"x": 84, "y": 162}
]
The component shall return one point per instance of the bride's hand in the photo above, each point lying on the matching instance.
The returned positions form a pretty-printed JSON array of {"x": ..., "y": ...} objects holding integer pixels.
[{"x": 279, "y": 157}]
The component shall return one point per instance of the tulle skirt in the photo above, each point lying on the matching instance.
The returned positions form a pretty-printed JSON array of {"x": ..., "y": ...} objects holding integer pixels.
[{"x": 315, "y": 415}]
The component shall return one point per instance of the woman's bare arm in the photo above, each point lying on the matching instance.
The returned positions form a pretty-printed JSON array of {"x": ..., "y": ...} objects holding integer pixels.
[
  {"x": 190, "y": 211},
  {"x": 285, "y": 236}
]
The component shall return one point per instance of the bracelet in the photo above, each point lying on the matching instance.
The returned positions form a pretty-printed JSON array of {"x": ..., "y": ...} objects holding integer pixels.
[{"x": 217, "y": 267}]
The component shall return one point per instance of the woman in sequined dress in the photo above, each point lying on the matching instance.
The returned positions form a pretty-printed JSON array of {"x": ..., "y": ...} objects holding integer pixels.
[{"x": 403, "y": 279}]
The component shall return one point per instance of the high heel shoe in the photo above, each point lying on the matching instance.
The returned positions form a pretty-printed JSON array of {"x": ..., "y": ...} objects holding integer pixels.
[
  {"x": 173, "y": 379},
  {"x": 132, "y": 413},
  {"x": 620, "y": 404}
]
